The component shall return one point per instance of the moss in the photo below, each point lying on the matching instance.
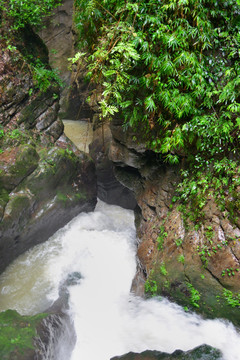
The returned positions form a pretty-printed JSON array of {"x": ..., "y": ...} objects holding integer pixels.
[
  {"x": 37, "y": 107},
  {"x": 193, "y": 292},
  {"x": 66, "y": 197},
  {"x": 62, "y": 197},
  {"x": 27, "y": 160},
  {"x": 4, "y": 197},
  {"x": 16, "y": 210},
  {"x": 16, "y": 137},
  {"x": 19, "y": 163},
  {"x": 81, "y": 196},
  {"x": 17, "y": 333}
]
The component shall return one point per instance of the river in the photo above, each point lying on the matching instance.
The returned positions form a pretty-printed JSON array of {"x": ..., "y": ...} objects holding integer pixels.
[{"x": 109, "y": 320}]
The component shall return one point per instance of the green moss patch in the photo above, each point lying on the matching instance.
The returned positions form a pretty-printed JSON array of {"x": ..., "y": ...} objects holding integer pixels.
[
  {"x": 191, "y": 290},
  {"x": 17, "y": 333}
]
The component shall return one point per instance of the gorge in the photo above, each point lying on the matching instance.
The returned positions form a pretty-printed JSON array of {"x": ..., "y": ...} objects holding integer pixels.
[
  {"x": 95, "y": 257},
  {"x": 82, "y": 290}
]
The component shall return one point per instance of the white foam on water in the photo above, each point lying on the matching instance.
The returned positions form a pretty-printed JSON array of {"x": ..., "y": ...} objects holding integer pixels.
[{"x": 108, "y": 319}]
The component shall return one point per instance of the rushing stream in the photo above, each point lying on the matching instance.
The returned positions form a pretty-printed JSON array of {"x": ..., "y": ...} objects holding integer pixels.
[{"x": 109, "y": 320}]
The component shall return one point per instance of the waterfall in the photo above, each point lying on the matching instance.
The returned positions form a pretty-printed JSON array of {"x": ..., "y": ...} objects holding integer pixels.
[{"x": 94, "y": 256}]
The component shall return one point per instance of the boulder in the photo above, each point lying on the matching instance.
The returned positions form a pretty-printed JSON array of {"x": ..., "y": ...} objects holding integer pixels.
[
  {"x": 40, "y": 197},
  {"x": 203, "y": 352},
  {"x": 35, "y": 337}
]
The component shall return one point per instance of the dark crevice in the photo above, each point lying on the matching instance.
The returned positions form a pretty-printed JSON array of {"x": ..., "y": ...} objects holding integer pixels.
[
  {"x": 219, "y": 282},
  {"x": 153, "y": 208},
  {"x": 234, "y": 255}
]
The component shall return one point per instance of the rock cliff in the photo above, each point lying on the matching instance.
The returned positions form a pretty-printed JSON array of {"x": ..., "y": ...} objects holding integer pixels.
[
  {"x": 195, "y": 265},
  {"x": 44, "y": 182}
]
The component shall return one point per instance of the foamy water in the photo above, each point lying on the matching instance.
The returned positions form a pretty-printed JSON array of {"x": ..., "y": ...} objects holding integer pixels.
[{"x": 108, "y": 319}]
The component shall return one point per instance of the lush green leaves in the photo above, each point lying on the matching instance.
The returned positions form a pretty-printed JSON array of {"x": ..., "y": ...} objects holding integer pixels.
[
  {"x": 27, "y": 12},
  {"x": 172, "y": 66}
]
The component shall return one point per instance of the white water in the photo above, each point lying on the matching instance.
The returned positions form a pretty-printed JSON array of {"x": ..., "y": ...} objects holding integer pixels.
[{"x": 108, "y": 319}]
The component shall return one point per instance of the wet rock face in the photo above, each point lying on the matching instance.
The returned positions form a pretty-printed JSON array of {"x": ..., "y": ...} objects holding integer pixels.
[
  {"x": 191, "y": 266},
  {"x": 194, "y": 266},
  {"x": 42, "y": 196},
  {"x": 37, "y": 337},
  {"x": 110, "y": 189},
  {"x": 38, "y": 112},
  {"x": 42, "y": 185},
  {"x": 54, "y": 331},
  {"x": 16, "y": 164},
  {"x": 57, "y": 36},
  {"x": 14, "y": 84},
  {"x": 203, "y": 352}
]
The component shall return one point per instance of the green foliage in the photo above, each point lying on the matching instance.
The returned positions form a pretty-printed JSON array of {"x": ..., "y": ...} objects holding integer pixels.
[
  {"x": 170, "y": 67},
  {"x": 178, "y": 241},
  {"x": 43, "y": 77},
  {"x": 229, "y": 272},
  {"x": 18, "y": 14},
  {"x": 16, "y": 332},
  {"x": 181, "y": 259},
  {"x": 204, "y": 252},
  {"x": 232, "y": 300},
  {"x": 161, "y": 238},
  {"x": 163, "y": 269},
  {"x": 27, "y": 12},
  {"x": 151, "y": 285},
  {"x": 62, "y": 197},
  {"x": 1, "y": 131},
  {"x": 194, "y": 295},
  {"x": 214, "y": 179},
  {"x": 1, "y": 136},
  {"x": 14, "y": 134},
  {"x": 12, "y": 138}
]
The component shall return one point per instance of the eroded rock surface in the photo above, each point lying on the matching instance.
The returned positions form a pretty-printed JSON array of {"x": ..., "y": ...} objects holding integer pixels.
[
  {"x": 199, "y": 267},
  {"x": 53, "y": 187},
  {"x": 203, "y": 352},
  {"x": 44, "y": 182},
  {"x": 110, "y": 189},
  {"x": 21, "y": 105}
]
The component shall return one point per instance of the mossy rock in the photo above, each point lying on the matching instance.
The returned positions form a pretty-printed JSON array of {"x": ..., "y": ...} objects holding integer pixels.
[
  {"x": 57, "y": 168},
  {"x": 17, "y": 164},
  {"x": 17, "y": 335},
  {"x": 62, "y": 186},
  {"x": 38, "y": 106},
  {"x": 193, "y": 288},
  {"x": 203, "y": 352},
  {"x": 4, "y": 197}
]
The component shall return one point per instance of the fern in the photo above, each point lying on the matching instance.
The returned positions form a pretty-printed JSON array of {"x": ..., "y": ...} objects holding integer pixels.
[{"x": 171, "y": 68}]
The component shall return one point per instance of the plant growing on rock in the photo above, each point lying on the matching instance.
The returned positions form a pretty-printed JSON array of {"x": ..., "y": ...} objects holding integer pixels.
[
  {"x": 17, "y": 333},
  {"x": 151, "y": 285},
  {"x": 18, "y": 18},
  {"x": 26, "y": 12},
  {"x": 194, "y": 295},
  {"x": 232, "y": 300},
  {"x": 181, "y": 259},
  {"x": 170, "y": 67},
  {"x": 162, "y": 236},
  {"x": 214, "y": 179},
  {"x": 163, "y": 269}
]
